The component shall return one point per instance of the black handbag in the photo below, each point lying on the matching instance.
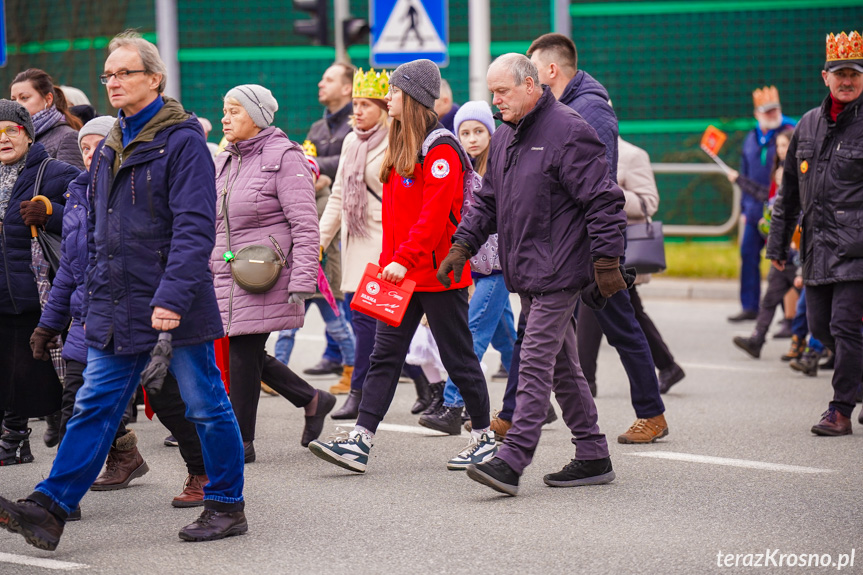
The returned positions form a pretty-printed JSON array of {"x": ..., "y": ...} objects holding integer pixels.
[
  {"x": 49, "y": 241},
  {"x": 645, "y": 245}
]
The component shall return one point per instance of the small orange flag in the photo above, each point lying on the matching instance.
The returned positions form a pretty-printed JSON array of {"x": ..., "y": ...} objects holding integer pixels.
[{"x": 712, "y": 140}]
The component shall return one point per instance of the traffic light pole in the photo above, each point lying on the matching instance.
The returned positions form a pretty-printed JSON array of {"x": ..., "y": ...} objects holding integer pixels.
[
  {"x": 342, "y": 11},
  {"x": 168, "y": 41},
  {"x": 479, "y": 34}
]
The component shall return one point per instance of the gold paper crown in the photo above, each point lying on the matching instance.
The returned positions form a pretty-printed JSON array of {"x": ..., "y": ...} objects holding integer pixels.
[
  {"x": 310, "y": 149},
  {"x": 765, "y": 97},
  {"x": 371, "y": 84},
  {"x": 844, "y": 47}
]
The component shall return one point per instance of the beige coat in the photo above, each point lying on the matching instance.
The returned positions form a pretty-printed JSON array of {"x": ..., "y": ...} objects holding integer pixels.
[
  {"x": 356, "y": 252},
  {"x": 635, "y": 178}
]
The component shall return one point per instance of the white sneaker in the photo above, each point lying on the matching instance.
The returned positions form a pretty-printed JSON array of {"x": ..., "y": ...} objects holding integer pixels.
[
  {"x": 347, "y": 449},
  {"x": 479, "y": 450}
]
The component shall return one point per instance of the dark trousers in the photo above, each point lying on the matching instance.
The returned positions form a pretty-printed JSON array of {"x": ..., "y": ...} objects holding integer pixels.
[
  {"x": 512, "y": 375},
  {"x": 549, "y": 361},
  {"x": 364, "y": 331},
  {"x": 447, "y": 318},
  {"x": 750, "y": 262},
  {"x": 659, "y": 351},
  {"x": 778, "y": 284},
  {"x": 834, "y": 312},
  {"x": 249, "y": 365},
  {"x": 618, "y": 322}
]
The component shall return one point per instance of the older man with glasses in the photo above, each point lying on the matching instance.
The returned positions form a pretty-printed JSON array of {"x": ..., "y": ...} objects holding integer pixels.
[{"x": 152, "y": 228}]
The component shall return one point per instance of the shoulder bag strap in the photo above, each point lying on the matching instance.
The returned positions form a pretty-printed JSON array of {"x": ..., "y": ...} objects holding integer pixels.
[{"x": 39, "y": 175}]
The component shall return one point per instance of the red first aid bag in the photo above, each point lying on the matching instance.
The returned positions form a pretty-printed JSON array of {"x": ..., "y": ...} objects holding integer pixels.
[{"x": 381, "y": 299}]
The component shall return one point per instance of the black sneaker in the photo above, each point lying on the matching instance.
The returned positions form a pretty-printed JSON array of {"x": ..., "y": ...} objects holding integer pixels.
[
  {"x": 40, "y": 527},
  {"x": 447, "y": 420},
  {"x": 580, "y": 472},
  {"x": 497, "y": 474},
  {"x": 749, "y": 345}
]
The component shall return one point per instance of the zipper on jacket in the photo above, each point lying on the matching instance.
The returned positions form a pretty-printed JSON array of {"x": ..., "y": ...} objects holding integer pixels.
[
  {"x": 434, "y": 260},
  {"x": 150, "y": 196},
  {"x": 8, "y": 281},
  {"x": 228, "y": 190}
]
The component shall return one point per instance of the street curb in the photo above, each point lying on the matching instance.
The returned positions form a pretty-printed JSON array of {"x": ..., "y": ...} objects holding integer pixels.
[{"x": 684, "y": 288}]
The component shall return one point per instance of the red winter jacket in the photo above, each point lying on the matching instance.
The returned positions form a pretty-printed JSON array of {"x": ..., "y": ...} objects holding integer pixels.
[{"x": 417, "y": 218}]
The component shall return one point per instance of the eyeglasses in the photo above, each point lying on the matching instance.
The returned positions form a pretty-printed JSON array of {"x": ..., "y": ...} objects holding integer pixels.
[
  {"x": 121, "y": 76},
  {"x": 12, "y": 131}
]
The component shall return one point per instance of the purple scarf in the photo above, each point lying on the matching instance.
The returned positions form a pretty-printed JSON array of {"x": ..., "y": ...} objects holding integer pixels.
[
  {"x": 355, "y": 195},
  {"x": 46, "y": 119}
]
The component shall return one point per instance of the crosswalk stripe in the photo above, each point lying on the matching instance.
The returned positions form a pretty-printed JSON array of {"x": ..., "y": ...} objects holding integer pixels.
[{"x": 761, "y": 465}]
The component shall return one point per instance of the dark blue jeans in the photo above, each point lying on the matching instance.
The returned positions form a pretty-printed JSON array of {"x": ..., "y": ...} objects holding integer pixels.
[
  {"x": 109, "y": 382},
  {"x": 750, "y": 260}
]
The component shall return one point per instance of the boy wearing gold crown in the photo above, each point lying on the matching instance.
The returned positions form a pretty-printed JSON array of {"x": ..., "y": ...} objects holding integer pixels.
[
  {"x": 756, "y": 164},
  {"x": 823, "y": 180}
]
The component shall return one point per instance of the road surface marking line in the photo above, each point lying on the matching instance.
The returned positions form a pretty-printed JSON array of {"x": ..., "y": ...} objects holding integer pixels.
[
  {"x": 728, "y": 367},
  {"x": 38, "y": 562},
  {"x": 730, "y": 462},
  {"x": 400, "y": 428}
]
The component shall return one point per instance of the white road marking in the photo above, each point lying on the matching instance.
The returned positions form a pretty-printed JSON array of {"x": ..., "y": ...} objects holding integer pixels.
[
  {"x": 400, "y": 428},
  {"x": 724, "y": 367},
  {"x": 38, "y": 562},
  {"x": 730, "y": 462}
]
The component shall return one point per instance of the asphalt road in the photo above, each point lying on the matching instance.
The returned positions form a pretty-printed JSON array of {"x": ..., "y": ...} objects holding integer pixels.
[{"x": 672, "y": 509}]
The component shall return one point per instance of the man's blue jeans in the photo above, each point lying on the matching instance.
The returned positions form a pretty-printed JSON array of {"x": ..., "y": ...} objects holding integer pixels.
[
  {"x": 750, "y": 262},
  {"x": 490, "y": 319},
  {"x": 338, "y": 328},
  {"x": 109, "y": 382}
]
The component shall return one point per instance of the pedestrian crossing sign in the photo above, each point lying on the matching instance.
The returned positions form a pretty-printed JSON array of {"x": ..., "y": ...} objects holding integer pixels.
[{"x": 406, "y": 30}]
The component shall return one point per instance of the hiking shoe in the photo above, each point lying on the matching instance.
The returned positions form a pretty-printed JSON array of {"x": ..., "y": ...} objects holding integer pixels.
[
  {"x": 495, "y": 473},
  {"x": 212, "y": 525},
  {"x": 832, "y": 424},
  {"x": 479, "y": 450},
  {"x": 645, "y": 430},
  {"x": 500, "y": 427},
  {"x": 346, "y": 449},
  {"x": 807, "y": 364},
  {"x": 796, "y": 349},
  {"x": 582, "y": 472},
  {"x": 749, "y": 345},
  {"x": 343, "y": 386},
  {"x": 37, "y": 525},
  {"x": 669, "y": 376},
  {"x": 446, "y": 420}
]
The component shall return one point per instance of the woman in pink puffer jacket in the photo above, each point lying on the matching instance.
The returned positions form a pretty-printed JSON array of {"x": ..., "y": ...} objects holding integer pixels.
[{"x": 266, "y": 194}]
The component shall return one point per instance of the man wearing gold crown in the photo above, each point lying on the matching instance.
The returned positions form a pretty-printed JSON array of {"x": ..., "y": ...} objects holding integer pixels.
[
  {"x": 756, "y": 164},
  {"x": 823, "y": 180}
]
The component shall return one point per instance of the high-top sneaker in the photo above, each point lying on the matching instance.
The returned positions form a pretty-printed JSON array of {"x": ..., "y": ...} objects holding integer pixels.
[
  {"x": 124, "y": 464},
  {"x": 14, "y": 446}
]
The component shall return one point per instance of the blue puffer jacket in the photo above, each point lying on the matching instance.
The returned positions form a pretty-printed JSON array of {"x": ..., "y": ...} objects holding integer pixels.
[
  {"x": 589, "y": 98},
  {"x": 17, "y": 284},
  {"x": 67, "y": 292},
  {"x": 151, "y": 231}
]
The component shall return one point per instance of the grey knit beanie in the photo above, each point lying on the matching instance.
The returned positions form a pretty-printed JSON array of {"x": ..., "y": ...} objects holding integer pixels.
[
  {"x": 100, "y": 125},
  {"x": 258, "y": 102},
  {"x": 14, "y": 112},
  {"x": 420, "y": 80}
]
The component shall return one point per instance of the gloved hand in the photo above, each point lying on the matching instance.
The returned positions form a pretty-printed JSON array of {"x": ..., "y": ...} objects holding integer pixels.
[
  {"x": 34, "y": 213},
  {"x": 43, "y": 341},
  {"x": 608, "y": 276},
  {"x": 594, "y": 300},
  {"x": 299, "y": 297},
  {"x": 454, "y": 262}
]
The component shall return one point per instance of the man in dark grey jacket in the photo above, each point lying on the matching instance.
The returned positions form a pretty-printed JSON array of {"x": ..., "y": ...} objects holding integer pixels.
[
  {"x": 559, "y": 218},
  {"x": 822, "y": 179}
]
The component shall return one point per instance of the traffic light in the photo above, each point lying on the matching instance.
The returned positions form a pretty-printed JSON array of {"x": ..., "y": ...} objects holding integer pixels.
[
  {"x": 354, "y": 31},
  {"x": 316, "y": 26}
]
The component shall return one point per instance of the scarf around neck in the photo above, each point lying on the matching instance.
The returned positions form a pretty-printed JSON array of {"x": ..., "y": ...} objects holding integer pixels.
[
  {"x": 46, "y": 119},
  {"x": 8, "y": 176},
  {"x": 355, "y": 195}
]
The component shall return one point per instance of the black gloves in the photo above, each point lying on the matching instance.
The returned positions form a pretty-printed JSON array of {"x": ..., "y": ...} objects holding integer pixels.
[
  {"x": 43, "y": 341},
  {"x": 454, "y": 262}
]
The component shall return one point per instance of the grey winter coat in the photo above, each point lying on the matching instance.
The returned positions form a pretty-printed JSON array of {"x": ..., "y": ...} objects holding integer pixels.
[
  {"x": 61, "y": 142},
  {"x": 548, "y": 193},
  {"x": 823, "y": 178}
]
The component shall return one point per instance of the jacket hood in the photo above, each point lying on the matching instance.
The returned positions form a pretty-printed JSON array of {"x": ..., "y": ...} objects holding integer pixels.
[
  {"x": 268, "y": 141},
  {"x": 582, "y": 84},
  {"x": 171, "y": 114}
]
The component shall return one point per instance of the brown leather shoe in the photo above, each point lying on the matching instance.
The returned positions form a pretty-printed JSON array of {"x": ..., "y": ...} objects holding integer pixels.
[
  {"x": 645, "y": 430},
  {"x": 212, "y": 525},
  {"x": 832, "y": 424},
  {"x": 193, "y": 492},
  {"x": 37, "y": 525},
  {"x": 124, "y": 464},
  {"x": 500, "y": 427}
]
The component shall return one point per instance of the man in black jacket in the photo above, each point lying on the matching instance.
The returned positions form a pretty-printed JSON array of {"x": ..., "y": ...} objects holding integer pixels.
[{"x": 823, "y": 179}]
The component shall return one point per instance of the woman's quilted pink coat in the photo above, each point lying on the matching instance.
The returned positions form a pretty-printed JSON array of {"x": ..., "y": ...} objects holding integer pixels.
[{"x": 266, "y": 185}]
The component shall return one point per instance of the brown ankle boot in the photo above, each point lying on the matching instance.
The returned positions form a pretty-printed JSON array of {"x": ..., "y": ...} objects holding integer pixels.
[
  {"x": 123, "y": 465},
  {"x": 193, "y": 492}
]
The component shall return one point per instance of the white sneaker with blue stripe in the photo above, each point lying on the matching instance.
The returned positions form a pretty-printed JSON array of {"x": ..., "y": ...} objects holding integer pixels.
[
  {"x": 479, "y": 450},
  {"x": 346, "y": 449}
]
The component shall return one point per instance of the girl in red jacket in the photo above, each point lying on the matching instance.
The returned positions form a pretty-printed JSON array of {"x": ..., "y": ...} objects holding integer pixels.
[{"x": 422, "y": 199}]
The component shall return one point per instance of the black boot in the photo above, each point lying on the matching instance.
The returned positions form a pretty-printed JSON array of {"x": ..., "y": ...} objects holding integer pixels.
[
  {"x": 447, "y": 420},
  {"x": 424, "y": 396},
  {"x": 436, "y": 398},
  {"x": 14, "y": 447},
  {"x": 52, "y": 432},
  {"x": 808, "y": 364},
  {"x": 750, "y": 345},
  {"x": 351, "y": 408}
]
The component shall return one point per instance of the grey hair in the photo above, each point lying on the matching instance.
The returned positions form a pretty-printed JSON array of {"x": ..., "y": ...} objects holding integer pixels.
[
  {"x": 153, "y": 63},
  {"x": 445, "y": 89},
  {"x": 519, "y": 66}
]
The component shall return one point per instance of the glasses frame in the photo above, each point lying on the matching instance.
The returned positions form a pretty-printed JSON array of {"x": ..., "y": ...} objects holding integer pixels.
[
  {"x": 21, "y": 130},
  {"x": 120, "y": 75}
]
